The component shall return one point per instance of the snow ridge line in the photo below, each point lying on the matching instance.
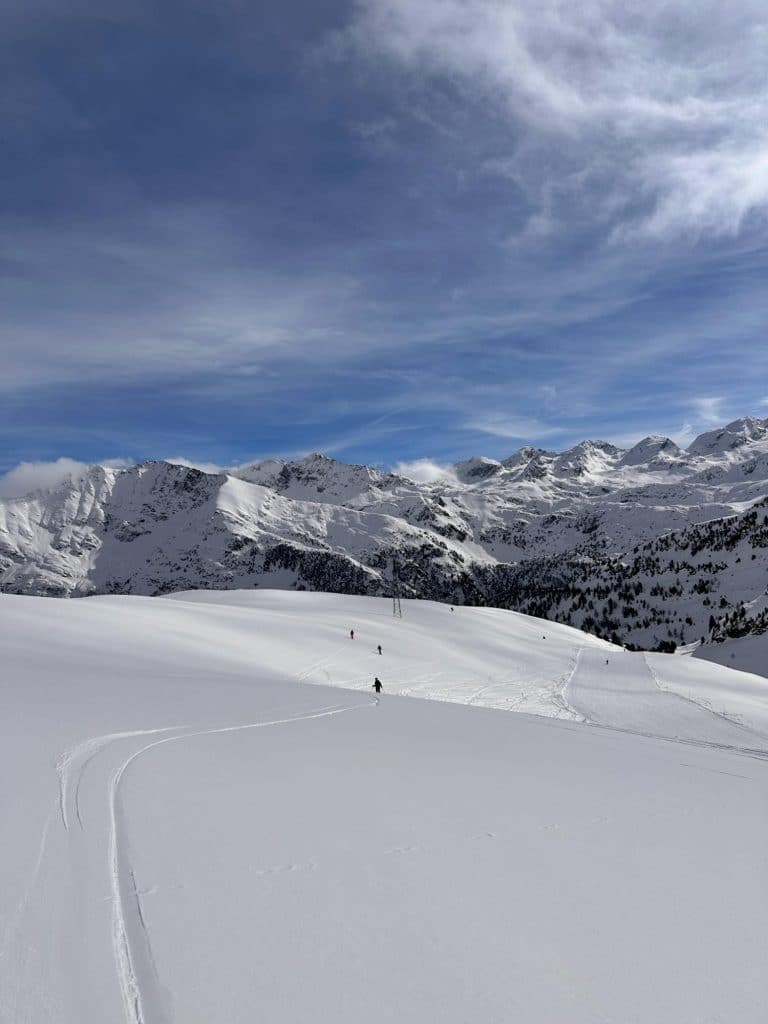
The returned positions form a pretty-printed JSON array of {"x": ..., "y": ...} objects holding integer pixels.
[{"x": 133, "y": 960}]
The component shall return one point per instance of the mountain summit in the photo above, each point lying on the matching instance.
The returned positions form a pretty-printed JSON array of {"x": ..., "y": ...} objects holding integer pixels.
[{"x": 651, "y": 545}]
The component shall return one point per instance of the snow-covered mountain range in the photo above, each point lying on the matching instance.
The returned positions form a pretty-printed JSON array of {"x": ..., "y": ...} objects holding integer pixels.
[{"x": 651, "y": 545}]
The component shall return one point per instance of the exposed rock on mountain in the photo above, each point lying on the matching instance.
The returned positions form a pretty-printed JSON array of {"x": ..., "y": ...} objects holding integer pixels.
[{"x": 651, "y": 545}]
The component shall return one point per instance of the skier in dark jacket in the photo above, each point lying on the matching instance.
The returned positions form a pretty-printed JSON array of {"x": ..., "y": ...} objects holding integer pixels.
[
  {"x": 379, "y": 648},
  {"x": 351, "y": 634},
  {"x": 377, "y": 684}
]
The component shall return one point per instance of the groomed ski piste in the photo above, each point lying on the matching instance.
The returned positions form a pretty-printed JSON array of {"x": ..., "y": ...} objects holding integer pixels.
[{"x": 208, "y": 817}]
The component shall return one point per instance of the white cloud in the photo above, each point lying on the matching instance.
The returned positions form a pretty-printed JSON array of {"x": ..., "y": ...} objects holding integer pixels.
[
  {"x": 205, "y": 467},
  {"x": 548, "y": 394},
  {"x": 709, "y": 410},
  {"x": 684, "y": 435},
  {"x": 643, "y": 112},
  {"x": 705, "y": 192},
  {"x": 201, "y": 309},
  {"x": 28, "y": 477},
  {"x": 424, "y": 471},
  {"x": 511, "y": 427}
]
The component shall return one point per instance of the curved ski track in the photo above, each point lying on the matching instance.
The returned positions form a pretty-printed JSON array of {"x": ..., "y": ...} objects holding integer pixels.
[
  {"x": 141, "y": 992},
  {"x": 90, "y": 748},
  {"x": 142, "y": 1000}
]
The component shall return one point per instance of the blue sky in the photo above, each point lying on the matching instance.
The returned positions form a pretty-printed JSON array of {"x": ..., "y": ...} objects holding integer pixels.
[{"x": 382, "y": 229}]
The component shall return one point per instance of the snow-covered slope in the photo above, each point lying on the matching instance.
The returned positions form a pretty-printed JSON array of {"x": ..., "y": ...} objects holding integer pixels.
[
  {"x": 731, "y": 438},
  {"x": 208, "y": 817},
  {"x": 556, "y": 534}
]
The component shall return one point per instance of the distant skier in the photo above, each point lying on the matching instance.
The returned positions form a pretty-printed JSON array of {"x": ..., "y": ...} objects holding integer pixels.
[
  {"x": 351, "y": 634},
  {"x": 377, "y": 684},
  {"x": 379, "y": 648}
]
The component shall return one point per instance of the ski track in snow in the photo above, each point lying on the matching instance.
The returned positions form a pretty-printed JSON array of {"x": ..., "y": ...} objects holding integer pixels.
[
  {"x": 29, "y": 888},
  {"x": 423, "y": 686},
  {"x": 561, "y": 690},
  {"x": 139, "y": 983},
  {"x": 143, "y": 1000},
  {"x": 667, "y": 696},
  {"x": 329, "y": 659},
  {"x": 535, "y": 692},
  {"x": 689, "y": 701},
  {"x": 141, "y": 991},
  {"x": 753, "y": 752},
  {"x": 700, "y": 704},
  {"x": 77, "y": 758}
]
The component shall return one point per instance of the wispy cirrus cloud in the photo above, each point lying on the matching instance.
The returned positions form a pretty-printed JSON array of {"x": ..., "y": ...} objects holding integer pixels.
[
  {"x": 643, "y": 115},
  {"x": 515, "y": 428},
  {"x": 165, "y": 292},
  {"x": 422, "y": 228},
  {"x": 708, "y": 410}
]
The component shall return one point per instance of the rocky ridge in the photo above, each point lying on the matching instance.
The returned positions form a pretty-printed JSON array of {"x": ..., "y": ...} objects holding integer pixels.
[{"x": 653, "y": 546}]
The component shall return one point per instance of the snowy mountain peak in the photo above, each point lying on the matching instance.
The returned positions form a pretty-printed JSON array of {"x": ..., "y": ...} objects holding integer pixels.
[
  {"x": 529, "y": 529},
  {"x": 652, "y": 449},
  {"x": 478, "y": 468},
  {"x": 315, "y": 477},
  {"x": 731, "y": 437},
  {"x": 587, "y": 458},
  {"x": 523, "y": 456}
]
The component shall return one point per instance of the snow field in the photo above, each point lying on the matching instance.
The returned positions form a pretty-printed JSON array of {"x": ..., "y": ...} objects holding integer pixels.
[{"x": 192, "y": 833}]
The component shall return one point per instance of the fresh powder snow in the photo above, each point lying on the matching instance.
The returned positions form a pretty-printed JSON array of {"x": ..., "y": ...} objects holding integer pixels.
[{"x": 209, "y": 816}]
